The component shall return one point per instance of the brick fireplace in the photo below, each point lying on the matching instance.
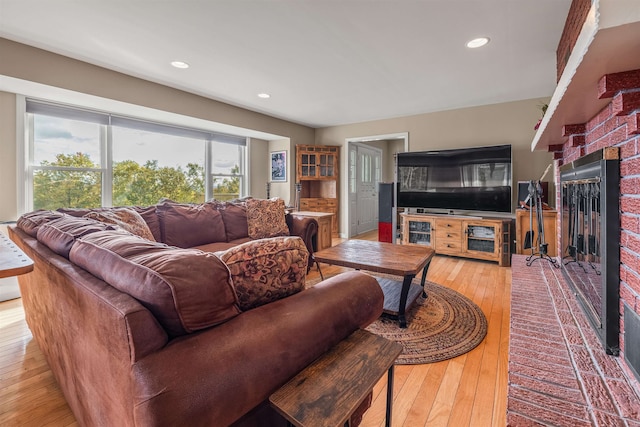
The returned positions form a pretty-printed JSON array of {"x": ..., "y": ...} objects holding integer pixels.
[
  {"x": 562, "y": 370},
  {"x": 617, "y": 125}
]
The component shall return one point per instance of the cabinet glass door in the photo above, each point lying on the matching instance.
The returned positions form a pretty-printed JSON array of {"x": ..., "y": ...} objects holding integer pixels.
[
  {"x": 419, "y": 232},
  {"x": 481, "y": 238},
  {"x": 308, "y": 165},
  {"x": 326, "y": 165}
]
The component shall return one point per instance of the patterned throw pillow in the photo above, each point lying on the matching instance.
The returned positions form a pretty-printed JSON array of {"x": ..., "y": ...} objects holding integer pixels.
[
  {"x": 263, "y": 271},
  {"x": 125, "y": 218},
  {"x": 266, "y": 218}
]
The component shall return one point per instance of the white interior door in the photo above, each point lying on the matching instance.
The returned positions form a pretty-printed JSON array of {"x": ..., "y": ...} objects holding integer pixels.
[{"x": 367, "y": 176}]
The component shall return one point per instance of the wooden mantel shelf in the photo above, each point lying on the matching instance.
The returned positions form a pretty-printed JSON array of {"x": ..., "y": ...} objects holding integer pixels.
[{"x": 608, "y": 43}]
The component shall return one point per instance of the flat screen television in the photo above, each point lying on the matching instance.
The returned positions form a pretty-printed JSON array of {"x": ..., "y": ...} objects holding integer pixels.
[{"x": 468, "y": 179}]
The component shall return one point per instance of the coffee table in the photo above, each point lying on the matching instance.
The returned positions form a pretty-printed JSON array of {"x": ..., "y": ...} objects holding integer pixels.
[{"x": 380, "y": 257}]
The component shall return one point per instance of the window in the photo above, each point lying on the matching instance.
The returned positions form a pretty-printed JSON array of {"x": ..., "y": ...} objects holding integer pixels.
[
  {"x": 352, "y": 170},
  {"x": 67, "y": 167},
  {"x": 148, "y": 166},
  {"x": 79, "y": 158},
  {"x": 227, "y": 173}
]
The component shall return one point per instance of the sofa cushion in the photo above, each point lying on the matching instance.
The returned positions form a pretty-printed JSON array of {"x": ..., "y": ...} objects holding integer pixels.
[
  {"x": 266, "y": 218},
  {"x": 125, "y": 218},
  {"x": 266, "y": 270},
  {"x": 186, "y": 225},
  {"x": 31, "y": 222},
  {"x": 77, "y": 212},
  {"x": 221, "y": 246},
  {"x": 186, "y": 289},
  {"x": 234, "y": 216},
  {"x": 59, "y": 235}
]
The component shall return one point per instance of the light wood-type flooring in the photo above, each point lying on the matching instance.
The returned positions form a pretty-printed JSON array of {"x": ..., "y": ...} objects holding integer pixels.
[{"x": 470, "y": 390}]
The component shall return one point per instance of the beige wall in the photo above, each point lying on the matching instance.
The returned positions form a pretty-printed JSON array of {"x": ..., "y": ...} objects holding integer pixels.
[
  {"x": 284, "y": 190},
  {"x": 258, "y": 150},
  {"x": 507, "y": 123},
  {"x": 38, "y": 66},
  {"x": 8, "y": 172}
]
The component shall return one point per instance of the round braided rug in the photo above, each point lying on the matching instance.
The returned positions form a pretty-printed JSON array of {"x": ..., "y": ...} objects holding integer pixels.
[{"x": 445, "y": 325}]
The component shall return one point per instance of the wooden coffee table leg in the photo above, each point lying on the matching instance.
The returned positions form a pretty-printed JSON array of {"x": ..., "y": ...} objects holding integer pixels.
[
  {"x": 406, "y": 283},
  {"x": 424, "y": 277}
]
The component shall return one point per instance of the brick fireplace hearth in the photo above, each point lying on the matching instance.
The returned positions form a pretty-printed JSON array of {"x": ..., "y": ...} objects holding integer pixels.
[
  {"x": 559, "y": 371},
  {"x": 559, "y": 374}
]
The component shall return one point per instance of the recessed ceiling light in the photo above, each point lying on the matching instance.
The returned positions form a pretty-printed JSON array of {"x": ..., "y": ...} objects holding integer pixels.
[
  {"x": 179, "y": 64},
  {"x": 479, "y": 42},
  {"x": 264, "y": 95}
]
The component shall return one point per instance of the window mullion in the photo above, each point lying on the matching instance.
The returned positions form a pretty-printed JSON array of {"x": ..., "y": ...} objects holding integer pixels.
[
  {"x": 245, "y": 171},
  {"x": 28, "y": 167},
  {"x": 208, "y": 168},
  {"x": 106, "y": 146}
]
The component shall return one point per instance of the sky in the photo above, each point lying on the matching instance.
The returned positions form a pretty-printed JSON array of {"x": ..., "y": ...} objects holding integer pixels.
[{"x": 55, "y": 135}]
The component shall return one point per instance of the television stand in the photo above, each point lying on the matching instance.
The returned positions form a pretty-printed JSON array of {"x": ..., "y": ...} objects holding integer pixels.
[{"x": 482, "y": 238}]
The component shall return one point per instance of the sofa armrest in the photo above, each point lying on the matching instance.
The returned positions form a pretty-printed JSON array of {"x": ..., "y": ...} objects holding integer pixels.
[
  {"x": 215, "y": 376},
  {"x": 305, "y": 228}
]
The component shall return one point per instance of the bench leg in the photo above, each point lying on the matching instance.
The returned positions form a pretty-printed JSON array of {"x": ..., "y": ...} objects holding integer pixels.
[{"x": 387, "y": 422}]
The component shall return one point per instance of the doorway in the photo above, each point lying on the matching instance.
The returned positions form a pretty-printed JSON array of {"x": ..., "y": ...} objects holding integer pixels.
[
  {"x": 370, "y": 160},
  {"x": 365, "y": 172}
]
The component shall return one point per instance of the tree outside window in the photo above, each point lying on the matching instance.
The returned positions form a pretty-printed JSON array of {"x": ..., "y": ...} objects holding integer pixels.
[{"x": 68, "y": 170}]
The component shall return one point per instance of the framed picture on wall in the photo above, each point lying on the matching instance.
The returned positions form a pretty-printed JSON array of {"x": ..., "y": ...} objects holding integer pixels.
[{"x": 279, "y": 166}]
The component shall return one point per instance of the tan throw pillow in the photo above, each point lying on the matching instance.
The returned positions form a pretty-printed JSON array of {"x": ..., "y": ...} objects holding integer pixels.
[
  {"x": 265, "y": 218},
  {"x": 125, "y": 218}
]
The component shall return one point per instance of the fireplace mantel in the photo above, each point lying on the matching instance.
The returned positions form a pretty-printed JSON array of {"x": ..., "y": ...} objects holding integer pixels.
[{"x": 608, "y": 43}]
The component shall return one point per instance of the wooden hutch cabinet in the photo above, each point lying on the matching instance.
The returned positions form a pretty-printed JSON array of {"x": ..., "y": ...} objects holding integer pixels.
[
  {"x": 317, "y": 174},
  {"x": 482, "y": 238}
]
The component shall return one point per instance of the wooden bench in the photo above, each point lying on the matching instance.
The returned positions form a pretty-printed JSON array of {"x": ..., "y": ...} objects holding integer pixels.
[{"x": 328, "y": 391}]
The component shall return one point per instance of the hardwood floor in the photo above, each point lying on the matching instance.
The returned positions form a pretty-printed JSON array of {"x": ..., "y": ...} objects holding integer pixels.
[{"x": 470, "y": 390}]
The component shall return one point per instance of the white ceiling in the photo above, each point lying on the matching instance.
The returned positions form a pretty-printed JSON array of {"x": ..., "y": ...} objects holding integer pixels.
[{"x": 324, "y": 62}]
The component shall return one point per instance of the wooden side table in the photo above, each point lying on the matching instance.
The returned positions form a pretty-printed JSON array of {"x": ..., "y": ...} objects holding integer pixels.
[
  {"x": 328, "y": 391},
  {"x": 13, "y": 261},
  {"x": 323, "y": 238}
]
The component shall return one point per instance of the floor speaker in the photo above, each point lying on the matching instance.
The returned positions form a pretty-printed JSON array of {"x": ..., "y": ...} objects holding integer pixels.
[{"x": 385, "y": 212}]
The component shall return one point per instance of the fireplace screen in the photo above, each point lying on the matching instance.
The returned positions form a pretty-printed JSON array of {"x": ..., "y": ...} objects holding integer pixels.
[
  {"x": 581, "y": 239},
  {"x": 590, "y": 240}
]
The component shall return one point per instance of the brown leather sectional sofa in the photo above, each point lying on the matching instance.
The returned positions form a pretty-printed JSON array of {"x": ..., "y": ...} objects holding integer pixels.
[
  {"x": 141, "y": 333},
  {"x": 210, "y": 226}
]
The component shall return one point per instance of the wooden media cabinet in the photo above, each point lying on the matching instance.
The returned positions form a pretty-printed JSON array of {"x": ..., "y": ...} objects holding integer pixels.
[{"x": 458, "y": 235}]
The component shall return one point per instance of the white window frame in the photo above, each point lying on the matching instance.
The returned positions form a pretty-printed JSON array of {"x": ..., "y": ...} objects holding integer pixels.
[{"x": 25, "y": 153}]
